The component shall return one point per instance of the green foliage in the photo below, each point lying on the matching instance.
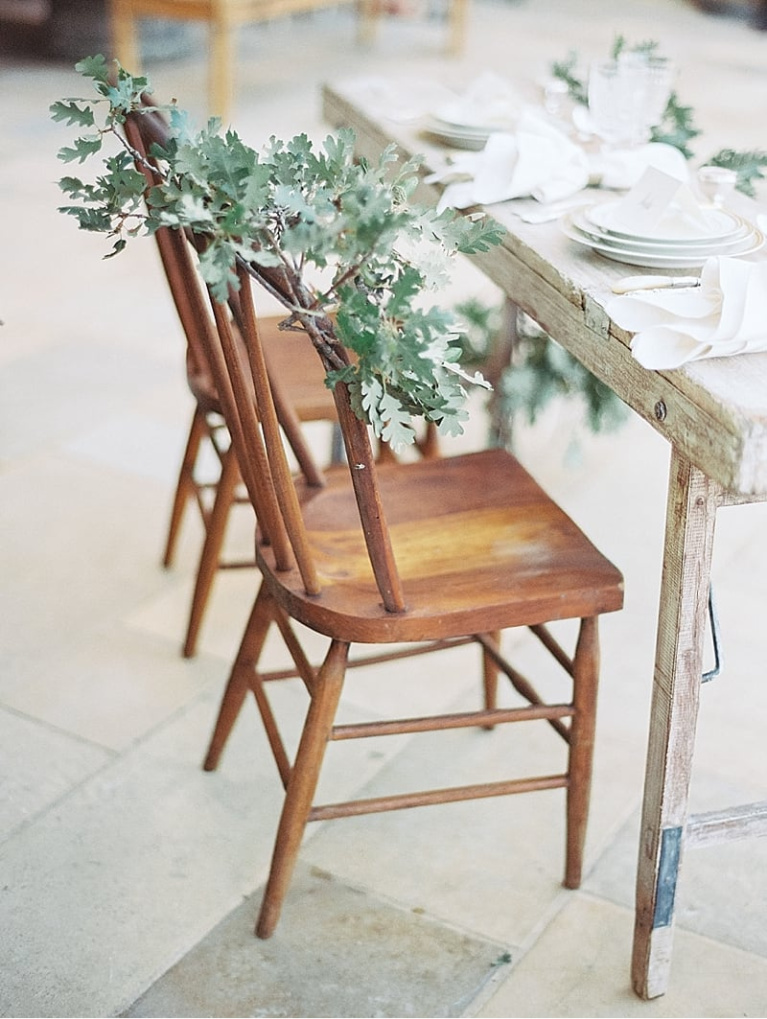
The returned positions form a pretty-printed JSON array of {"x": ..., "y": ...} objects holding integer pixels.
[
  {"x": 748, "y": 166},
  {"x": 677, "y": 127},
  {"x": 540, "y": 370},
  {"x": 322, "y": 232},
  {"x": 566, "y": 70},
  {"x": 648, "y": 48}
]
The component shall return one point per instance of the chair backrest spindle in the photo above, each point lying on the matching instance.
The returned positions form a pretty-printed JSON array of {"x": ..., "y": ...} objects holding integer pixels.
[
  {"x": 283, "y": 482},
  {"x": 362, "y": 464},
  {"x": 235, "y": 390}
]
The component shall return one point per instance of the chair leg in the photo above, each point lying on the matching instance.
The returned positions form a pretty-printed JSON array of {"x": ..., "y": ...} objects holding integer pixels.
[
  {"x": 490, "y": 675},
  {"x": 428, "y": 445},
  {"x": 585, "y": 683},
  {"x": 185, "y": 487},
  {"x": 261, "y": 617},
  {"x": 303, "y": 783},
  {"x": 210, "y": 556}
]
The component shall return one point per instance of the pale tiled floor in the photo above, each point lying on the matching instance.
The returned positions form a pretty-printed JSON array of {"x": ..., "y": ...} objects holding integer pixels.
[{"x": 119, "y": 855}]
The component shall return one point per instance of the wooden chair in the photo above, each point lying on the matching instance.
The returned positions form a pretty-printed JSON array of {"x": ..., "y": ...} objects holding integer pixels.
[
  {"x": 305, "y": 397},
  {"x": 429, "y": 555},
  {"x": 300, "y": 380},
  {"x": 223, "y": 17}
]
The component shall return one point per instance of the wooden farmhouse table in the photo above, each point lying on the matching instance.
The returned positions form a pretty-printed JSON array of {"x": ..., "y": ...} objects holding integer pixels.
[{"x": 714, "y": 414}]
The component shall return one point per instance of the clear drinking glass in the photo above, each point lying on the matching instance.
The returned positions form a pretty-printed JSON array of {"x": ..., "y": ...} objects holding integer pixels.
[
  {"x": 628, "y": 97},
  {"x": 716, "y": 183}
]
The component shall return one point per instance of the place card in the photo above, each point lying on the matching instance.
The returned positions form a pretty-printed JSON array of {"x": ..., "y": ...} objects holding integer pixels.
[{"x": 646, "y": 203}]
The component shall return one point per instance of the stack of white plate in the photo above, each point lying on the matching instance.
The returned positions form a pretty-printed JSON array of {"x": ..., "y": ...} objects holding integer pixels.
[
  {"x": 676, "y": 242},
  {"x": 459, "y": 136}
]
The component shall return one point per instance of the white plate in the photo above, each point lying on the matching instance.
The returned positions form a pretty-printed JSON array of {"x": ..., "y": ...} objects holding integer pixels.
[
  {"x": 721, "y": 224},
  {"x": 653, "y": 260},
  {"x": 460, "y": 136},
  {"x": 580, "y": 222}
]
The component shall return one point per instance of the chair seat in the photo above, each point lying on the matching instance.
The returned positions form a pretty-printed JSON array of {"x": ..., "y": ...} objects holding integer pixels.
[
  {"x": 479, "y": 546},
  {"x": 291, "y": 359}
]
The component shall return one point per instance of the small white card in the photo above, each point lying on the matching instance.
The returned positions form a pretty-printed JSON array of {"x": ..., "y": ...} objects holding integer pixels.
[{"x": 645, "y": 204}]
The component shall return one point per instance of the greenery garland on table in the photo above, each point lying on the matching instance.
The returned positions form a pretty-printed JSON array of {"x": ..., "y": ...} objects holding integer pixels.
[
  {"x": 321, "y": 231},
  {"x": 677, "y": 127}
]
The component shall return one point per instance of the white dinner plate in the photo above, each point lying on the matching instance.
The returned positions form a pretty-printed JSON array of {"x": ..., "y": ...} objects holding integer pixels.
[
  {"x": 721, "y": 224},
  {"x": 581, "y": 222},
  {"x": 670, "y": 259},
  {"x": 463, "y": 136}
]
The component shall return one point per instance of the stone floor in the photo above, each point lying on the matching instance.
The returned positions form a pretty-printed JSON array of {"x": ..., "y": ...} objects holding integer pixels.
[{"x": 129, "y": 879}]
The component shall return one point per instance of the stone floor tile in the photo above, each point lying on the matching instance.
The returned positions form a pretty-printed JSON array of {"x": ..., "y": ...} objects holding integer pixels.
[
  {"x": 579, "y": 967},
  {"x": 39, "y": 765},
  {"x": 326, "y": 967}
]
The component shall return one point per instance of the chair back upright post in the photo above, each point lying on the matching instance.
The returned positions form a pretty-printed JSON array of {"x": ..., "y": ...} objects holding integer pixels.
[{"x": 141, "y": 131}]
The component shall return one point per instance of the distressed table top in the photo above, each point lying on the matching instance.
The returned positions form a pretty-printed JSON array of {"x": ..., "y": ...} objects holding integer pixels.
[{"x": 714, "y": 411}]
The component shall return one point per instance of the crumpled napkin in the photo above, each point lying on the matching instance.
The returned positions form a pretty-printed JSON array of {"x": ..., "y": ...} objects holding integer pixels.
[
  {"x": 622, "y": 168},
  {"x": 537, "y": 160},
  {"x": 725, "y": 315}
]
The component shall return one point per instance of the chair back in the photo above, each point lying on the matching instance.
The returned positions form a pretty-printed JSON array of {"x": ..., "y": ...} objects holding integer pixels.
[
  {"x": 142, "y": 130},
  {"x": 178, "y": 252},
  {"x": 255, "y": 425}
]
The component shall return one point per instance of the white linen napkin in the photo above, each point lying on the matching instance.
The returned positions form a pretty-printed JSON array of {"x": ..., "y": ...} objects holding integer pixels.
[
  {"x": 725, "y": 315},
  {"x": 621, "y": 168},
  {"x": 537, "y": 160}
]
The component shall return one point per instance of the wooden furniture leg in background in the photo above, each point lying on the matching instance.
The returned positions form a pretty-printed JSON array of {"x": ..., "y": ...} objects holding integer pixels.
[
  {"x": 458, "y": 16},
  {"x": 124, "y": 36},
  {"x": 223, "y": 47},
  {"x": 691, "y": 514}
]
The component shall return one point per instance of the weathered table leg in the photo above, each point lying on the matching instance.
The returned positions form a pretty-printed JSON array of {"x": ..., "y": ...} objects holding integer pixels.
[
  {"x": 498, "y": 361},
  {"x": 691, "y": 514}
]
